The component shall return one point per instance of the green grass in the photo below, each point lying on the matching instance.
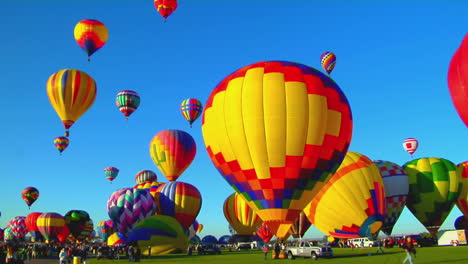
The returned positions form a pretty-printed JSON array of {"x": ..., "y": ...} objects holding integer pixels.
[{"x": 343, "y": 256}]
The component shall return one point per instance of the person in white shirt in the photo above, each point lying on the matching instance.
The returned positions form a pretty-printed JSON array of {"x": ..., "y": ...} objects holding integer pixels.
[{"x": 63, "y": 255}]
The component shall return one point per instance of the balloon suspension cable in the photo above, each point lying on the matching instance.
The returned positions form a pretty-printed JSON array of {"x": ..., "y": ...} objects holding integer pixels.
[
  {"x": 89, "y": 59},
  {"x": 126, "y": 119},
  {"x": 190, "y": 125},
  {"x": 67, "y": 133}
]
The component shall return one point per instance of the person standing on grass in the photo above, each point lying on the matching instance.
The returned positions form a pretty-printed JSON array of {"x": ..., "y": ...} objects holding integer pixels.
[
  {"x": 265, "y": 251},
  {"x": 409, "y": 248},
  {"x": 380, "y": 244}
]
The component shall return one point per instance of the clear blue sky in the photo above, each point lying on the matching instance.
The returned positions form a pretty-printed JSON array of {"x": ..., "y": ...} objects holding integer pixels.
[{"x": 392, "y": 61}]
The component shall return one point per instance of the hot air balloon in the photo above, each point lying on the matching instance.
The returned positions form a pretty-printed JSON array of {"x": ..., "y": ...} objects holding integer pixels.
[
  {"x": 172, "y": 151},
  {"x": 145, "y": 176},
  {"x": 462, "y": 201},
  {"x": 279, "y": 140},
  {"x": 16, "y": 228},
  {"x": 300, "y": 226},
  {"x": 165, "y": 7},
  {"x": 128, "y": 206},
  {"x": 224, "y": 240},
  {"x": 461, "y": 223},
  {"x": 127, "y": 101},
  {"x": 116, "y": 239},
  {"x": 191, "y": 109},
  {"x": 30, "y": 195},
  {"x": 433, "y": 189},
  {"x": 457, "y": 77},
  {"x": 352, "y": 203},
  {"x": 61, "y": 143},
  {"x": 111, "y": 173},
  {"x": 50, "y": 225},
  {"x": 63, "y": 234},
  {"x": 179, "y": 200},
  {"x": 328, "y": 61},
  {"x": 152, "y": 187},
  {"x": 410, "y": 145},
  {"x": 240, "y": 216},
  {"x": 209, "y": 239},
  {"x": 105, "y": 229},
  {"x": 71, "y": 93},
  {"x": 86, "y": 231},
  {"x": 264, "y": 233},
  {"x": 76, "y": 221},
  {"x": 91, "y": 35},
  {"x": 163, "y": 234},
  {"x": 31, "y": 225},
  {"x": 396, "y": 190}
]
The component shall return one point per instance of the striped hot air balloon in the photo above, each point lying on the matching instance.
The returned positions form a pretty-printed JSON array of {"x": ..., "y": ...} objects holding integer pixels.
[
  {"x": 191, "y": 109},
  {"x": 151, "y": 186},
  {"x": 61, "y": 143},
  {"x": 128, "y": 102},
  {"x": 71, "y": 93},
  {"x": 277, "y": 131},
  {"x": 50, "y": 225},
  {"x": 111, "y": 173},
  {"x": 172, "y": 151},
  {"x": 179, "y": 200},
  {"x": 91, "y": 35},
  {"x": 410, "y": 145},
  {"x": 328, "y": 61},
  {"x": 145, "y": 176},
  {"x": 116, "y": 239},
  {"x": 240, "y": 216}
]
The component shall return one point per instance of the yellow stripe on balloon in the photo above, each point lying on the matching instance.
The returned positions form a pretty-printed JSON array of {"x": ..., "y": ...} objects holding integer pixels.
[
  {"x": 318, "y": 110},
  {"x": 297, "y": 111}
]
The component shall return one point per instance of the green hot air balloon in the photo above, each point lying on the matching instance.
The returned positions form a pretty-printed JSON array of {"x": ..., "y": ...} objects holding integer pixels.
[{"x": 433, "y": 189}]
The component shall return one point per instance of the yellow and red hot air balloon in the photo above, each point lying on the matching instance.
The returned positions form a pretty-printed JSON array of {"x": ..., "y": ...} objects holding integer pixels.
[
  {"x": 352, "y": 203},
  {"x": 462, "y": 202},
  {"x": 172, "y": 151},
  {"x": 50, "y": 225},
  {"x": 165, "y": 7},
  {"x": 277, "y": 131},
  {"x": 71, "y": 93},
  {"x": 240, "y": 216},
  {"x": 91, "y": 35}
]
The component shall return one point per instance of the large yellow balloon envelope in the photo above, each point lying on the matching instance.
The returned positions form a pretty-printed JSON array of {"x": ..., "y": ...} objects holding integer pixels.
[
  {"x": 240, "y": 216},
  {"x": 276, "y": 131},
  {"x": 462, "y": 202},
  {"x": 352, "y": 203},
  {"x": 71, "y": 93}
]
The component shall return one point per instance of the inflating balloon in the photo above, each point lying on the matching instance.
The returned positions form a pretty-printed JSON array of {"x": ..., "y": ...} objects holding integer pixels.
[
  {"x": 76, "y": 221},
  {"x": 163, "y": 234},
  {"x": 91, "y": 35},
  {"x": 277, "y": 131},
  {"x": 31, "y": 225},
  {"x": 433, "y": 190},
  {"x": 71, "y": 93},
  {"x": 396, "y": 192},
  {"x": 17, "y": 229},
  {"x": 50, "y": 225},
  {"x": 462, "y": 201},
  {"x": 352, "y": 203},
  {"x": 240, "y": 216},
  {"x": 172, "y": 151}
]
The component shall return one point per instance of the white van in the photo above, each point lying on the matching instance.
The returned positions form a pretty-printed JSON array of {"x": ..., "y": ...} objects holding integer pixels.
[{"x": 361, "y": 242}]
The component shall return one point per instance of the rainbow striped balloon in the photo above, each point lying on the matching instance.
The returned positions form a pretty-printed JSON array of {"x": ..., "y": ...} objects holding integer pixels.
[
  {"x": 145, "y": 176},
  {"x": 180, "y": 200},
  {"x": 91, "y": 35},
  {"x": 328, "y": 61},
  {"x": 61, "y": 143},
  {"x": 191, "y": 109}
]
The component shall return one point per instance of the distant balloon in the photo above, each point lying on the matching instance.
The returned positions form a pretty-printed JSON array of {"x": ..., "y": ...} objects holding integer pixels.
[
  {"x": 209, "y": 239},
  {"x": 172, "y": 151},
  {"x": 128, "y": 206},
  {"x": 71, "y": 93},
  {"x": 191, "y": 109},
  {"x": 179, "y": 200},
  {"x": 240, "y": 216},
  {"x": 462, "y": 201},
  {"x": 224, "y": 240},
  {"x": 457, "y": 79},
  {"x": 277, "y": 131},
  {"x": 145, "y": 176},
  {"x": 410, "y": 145},
  {"x": 30, "y": 195},
  {"x": 461, "y": 223},
  {"x": 352, "y": 203},
  {"x": 61, "y": 143},
  {"x": 165, "y": 7},
  {"x": 111, "y": 173},
  {"x": 127, "y": 101},
  {"x": 396, "y": 192},
  {"x": 90, "y": 35},
  {"x": 50, "y": 225},
  {"x": 328, "y": 61},
  {"x": 433, "y": 189},
  {"x": 163, "y": 234}
]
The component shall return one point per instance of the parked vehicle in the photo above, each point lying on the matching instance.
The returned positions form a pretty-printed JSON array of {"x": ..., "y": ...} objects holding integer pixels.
[
  {"x": 451, "y": 237},
  {"x": 244, "y": 246},
  {"x": 211, "y": 249},
  {"x": 361, "y": 242},
  {"x": 308, "y": 249}
]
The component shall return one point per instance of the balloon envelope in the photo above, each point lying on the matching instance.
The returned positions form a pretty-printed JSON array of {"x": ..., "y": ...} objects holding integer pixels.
[
  {"x": 61, "y": 143},
  {"x": 191, "y": 109},
  {"x": 145, "y": 176},
  {"x": 127, "y": 101},
  {"x": 30, "y": 195},
  {"x": 462, "y": 201},
  {"x": 457, "y": 78},
  {"x": 111, "y": 173},
  {"x": 31, "y": 225},
  {"x": 352, "y": 203},
  {"x": 396, "y": 192},
  {"x": 328, "y": 61},
  {"x": 165, "y": 7},
  {"x": 277, "y": 131},
  {"x": 50, "y": 225},
  {"x": 91, "y": 35},
  {"x": 433, "y": 189},
  {"x": 240, "y": 216},
  {"x": 410, "y": 145}
]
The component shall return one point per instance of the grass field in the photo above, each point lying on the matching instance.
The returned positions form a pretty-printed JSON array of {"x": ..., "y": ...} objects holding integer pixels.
[{"x": 342, "y": 256}]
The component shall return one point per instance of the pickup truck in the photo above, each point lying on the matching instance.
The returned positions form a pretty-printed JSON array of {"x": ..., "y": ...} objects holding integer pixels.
[{"x": 308, "y": 249}]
